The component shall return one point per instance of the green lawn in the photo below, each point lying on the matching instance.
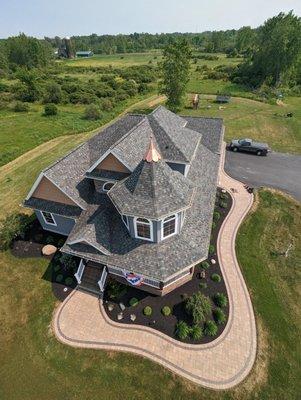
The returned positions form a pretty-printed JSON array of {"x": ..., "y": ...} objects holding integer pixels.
[
  {"x": 21, "y": 132},
  {"x": 257, "y": 120},
  {"x": 33, "y": 365}
]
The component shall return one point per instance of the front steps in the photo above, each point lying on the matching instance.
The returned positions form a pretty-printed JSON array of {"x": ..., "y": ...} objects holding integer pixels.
[{"x": 90, "y": 278}]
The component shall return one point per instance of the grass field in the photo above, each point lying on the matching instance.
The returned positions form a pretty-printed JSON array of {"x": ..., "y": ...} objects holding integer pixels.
[
  {"x": 33, "y": 365},
  {"x": 21, "y": 132},
  {"x": 257, "y": 120}
]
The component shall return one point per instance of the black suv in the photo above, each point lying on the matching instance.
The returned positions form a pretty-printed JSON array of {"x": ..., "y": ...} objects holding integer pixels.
[{"x": 261, "y": 149}]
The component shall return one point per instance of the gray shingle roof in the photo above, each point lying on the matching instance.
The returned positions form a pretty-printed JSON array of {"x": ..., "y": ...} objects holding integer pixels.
[
  {"x": 53, "y": 207},
  {"x": 153, "y": 190}
]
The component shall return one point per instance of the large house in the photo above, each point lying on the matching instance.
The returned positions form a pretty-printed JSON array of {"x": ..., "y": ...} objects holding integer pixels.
[{"x": 136, "y": 200}]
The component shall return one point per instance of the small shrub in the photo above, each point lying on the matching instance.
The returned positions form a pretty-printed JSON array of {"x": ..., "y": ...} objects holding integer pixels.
[
  {"x": 49, "y": 240},
  {"x": 12, "y": 226},
  {"x": 198, "y": 306},
  {"x": 223, "y": 196},
  {"x": 213, "y": 225},
  {"x": 116, "y": 289},
  {"x": 196, "y": 332},
  {"x": 220, "y": 300},
  {"x": 202, "y": 285},
  {"x": 223, "y": 204},
  {"x": 69, "y": 281},
  {"x": 21, "y": 107},
  {"x": 166, "y": 311},
  {"x": 216, "y": 216},
  {"x": 50, "y": 109},
  {"x": 133, "y": 302},
  {"x": 184, "y": 296},
  {"x": 216, "y": 277},
  {"x": 59, "y": 278},
  {"x": 147, "y": 311},
  {"x": 205, "y": 264},
  {"x": 56, "y": 268},
  {"x": 211, "y": 249},
  {"x": 210, "y": 328},
  {"x": 219, "y": 316},
  {"x": 69, "y": 262},
  {"x": 182, "y": 330},
  {"x": 92, "y": 112}
]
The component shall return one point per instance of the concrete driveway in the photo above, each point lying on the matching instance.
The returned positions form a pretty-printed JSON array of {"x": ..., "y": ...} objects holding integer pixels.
[{"x": 277, "y": 170}]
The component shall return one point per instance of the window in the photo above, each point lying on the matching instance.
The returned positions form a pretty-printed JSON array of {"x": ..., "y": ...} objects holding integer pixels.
[
  {"x": 169, "y": 226},
  {"x": 48, "y": 218},
  {"x": 125, "y": 220},
  {"x": 143, "y": 229},
  {"x": 107, "y": 186}
]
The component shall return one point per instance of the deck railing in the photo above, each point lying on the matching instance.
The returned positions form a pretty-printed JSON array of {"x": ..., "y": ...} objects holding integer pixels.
[
  {"x": 102, "y": 280},
  {"x": 79, "y": 273}
]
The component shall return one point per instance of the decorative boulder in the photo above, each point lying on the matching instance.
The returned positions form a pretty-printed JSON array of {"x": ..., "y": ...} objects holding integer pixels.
[
  {"x": 122, "y": 306},
  {"x": 111, "y": 307},
  {"x": 213, "y": 261},
  {"x": 120, "y": 316},
  {"x": 48, "y": 250},
  {"x": 133, "y": 317}
]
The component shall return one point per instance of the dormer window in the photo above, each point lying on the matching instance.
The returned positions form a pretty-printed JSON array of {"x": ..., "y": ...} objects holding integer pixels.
[
  {"x": 143, "y": 229},
  {"x": 169, "y": 226},
  {"x": 107, "y": 186}
]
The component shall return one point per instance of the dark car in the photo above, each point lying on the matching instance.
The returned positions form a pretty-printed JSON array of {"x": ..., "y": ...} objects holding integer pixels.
[{"x": 248, "y": 145}]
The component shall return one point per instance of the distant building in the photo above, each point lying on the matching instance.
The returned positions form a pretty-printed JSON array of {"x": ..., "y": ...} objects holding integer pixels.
[{"x": 87, "y": 53}]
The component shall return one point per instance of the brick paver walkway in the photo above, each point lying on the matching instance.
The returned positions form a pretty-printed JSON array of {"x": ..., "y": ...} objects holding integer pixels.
[{"x": 81, "y": 321}]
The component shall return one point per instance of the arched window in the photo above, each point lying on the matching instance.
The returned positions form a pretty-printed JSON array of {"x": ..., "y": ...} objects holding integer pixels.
[
  {"x": 169, "y": 226},
  {"x": 107, "y": 186},
  {"x": 143, "y": 229}
]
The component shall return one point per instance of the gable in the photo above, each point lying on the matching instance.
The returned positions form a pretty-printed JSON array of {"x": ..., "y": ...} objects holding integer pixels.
[
  {"x": 46, "y": 190},
  {"x": 111, "y": 163}
]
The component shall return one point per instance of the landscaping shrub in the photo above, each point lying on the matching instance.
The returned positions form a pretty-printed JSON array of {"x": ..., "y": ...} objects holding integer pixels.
[
  {"x": 205, "y": 264},
  {"x": 69, "y": 281},
  {"x": 49, "y": 240},
  {"x": 147, "y": 311},
  {"x": 50, "y": 109},
  {"x": 133, "y": 302},
  {"x": 216, "y": 216},
  {"x": 56, "y": 268},
  {"x": 198, "y": 306},
  {"x": 182, "y": 330},
  {"x": 220, "y": 300},
  {"x": 116, "y": 289},
  {"x": 59, "y": 278},
  {"x": 211, "y": 249},
  {"x": 69, "y": 262},
  {"x": 223, "y": 196},
  {"x": 196, "y": 332},
  {"x": 21, "y": 107},
  {"x": 12, "y": 226},
  {"x": 92, "y": 112},
  {"x": 219, "y": 316},
  {"x": 216, "y": 277},
  {"x": 166, "y": 311},
  {"x": 202, "y": 285},
  {"x": 210, "y": 328},
  {"x": 223, "y": 204}
]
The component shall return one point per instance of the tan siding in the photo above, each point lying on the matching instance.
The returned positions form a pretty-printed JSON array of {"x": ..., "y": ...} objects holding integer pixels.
[
  {"x": 110, "y": 163},
  {"x": 48, "y": 191}
]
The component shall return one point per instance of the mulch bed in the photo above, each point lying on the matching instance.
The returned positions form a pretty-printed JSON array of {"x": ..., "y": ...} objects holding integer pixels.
[{"x": 176, "y": 299}]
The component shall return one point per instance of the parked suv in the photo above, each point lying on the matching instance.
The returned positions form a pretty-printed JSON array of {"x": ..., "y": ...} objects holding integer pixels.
[{"x": 261, "y": 149}]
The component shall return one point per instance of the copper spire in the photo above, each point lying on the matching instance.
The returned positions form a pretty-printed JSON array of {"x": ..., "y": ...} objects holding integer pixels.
[{"x": 152, "y": 154}]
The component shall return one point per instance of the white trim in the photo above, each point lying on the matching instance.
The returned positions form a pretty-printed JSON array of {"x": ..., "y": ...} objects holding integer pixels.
[
  {"x": 102, "y": 280},
  {"x": 107, "y": 190},
  {"x": 35, "y": 185},
  {"x": 80, "y": 270},
  {"x": 187, "y": 168},
  {"x": 52, "y": 216},
  {"x": 110, "y": 151},
  {"x": 151, "y": 239},
  {"x": 127, "y": 220},
  {"x": 83, "y": 240},
  {"x": 176, "y": 226}
]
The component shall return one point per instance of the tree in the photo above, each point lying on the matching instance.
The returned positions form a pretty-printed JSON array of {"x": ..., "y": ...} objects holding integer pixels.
[
  {"x": 29, "y": 89},
  {"x": 245, "y": 40},
  {"x": 28, "y": 52},
  {"x": 53, "y": 93},
  {"x": 175, "y": 72},
  {"x": 198, "y": 306}
]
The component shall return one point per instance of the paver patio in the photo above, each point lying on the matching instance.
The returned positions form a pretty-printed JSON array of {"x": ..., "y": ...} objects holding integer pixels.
[{"x": 81, "y": 321}]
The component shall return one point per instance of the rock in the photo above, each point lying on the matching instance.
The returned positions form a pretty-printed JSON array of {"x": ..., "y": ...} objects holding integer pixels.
[
  {"x": 122, "y": 306},
  {"x": 48, "y": 250},
  {"x": 111, "y": 307},
  {"x": 119, "y": 316},
  {"x": 213, "y": 261},
  {"x": 133, "y": 317},
  {"x": 203, "y": 274}
]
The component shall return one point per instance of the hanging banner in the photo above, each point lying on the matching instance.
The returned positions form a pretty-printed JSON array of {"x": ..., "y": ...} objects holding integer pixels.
[{"x": 133, "y": 279}]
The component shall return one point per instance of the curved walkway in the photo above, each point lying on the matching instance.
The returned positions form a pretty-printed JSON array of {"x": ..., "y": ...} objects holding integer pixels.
[{"x": 81, "y": 320}]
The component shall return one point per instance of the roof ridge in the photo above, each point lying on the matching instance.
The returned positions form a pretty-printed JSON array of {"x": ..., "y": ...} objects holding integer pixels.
[{"x": 128, "y": 133}]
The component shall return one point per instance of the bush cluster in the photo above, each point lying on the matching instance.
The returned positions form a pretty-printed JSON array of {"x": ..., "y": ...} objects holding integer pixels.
[
  {"x": 210, "y": 328},
  {"x": 219, "y": 316},
  {"x": 12, "y": 226},
  {"x": 147, "y": 311},
  {"x": 50, "y": 109},
  {"x": 198, "y": 306},
  {"x": 133, "y": 301},
  {"x": 166, "y": 311},
  {"x": 216, "y": 278},
  {"x": 220, "y": 299}
]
